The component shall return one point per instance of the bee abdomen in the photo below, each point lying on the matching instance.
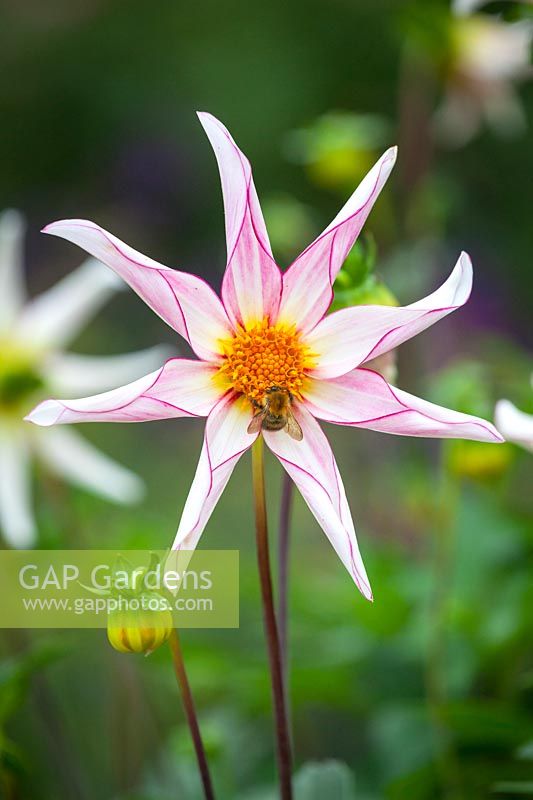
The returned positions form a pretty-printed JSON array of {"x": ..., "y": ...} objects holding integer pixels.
[{"x": 274, "y": 423}]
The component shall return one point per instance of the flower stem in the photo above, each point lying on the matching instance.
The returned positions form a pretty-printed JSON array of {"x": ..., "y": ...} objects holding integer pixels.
[
  {"x": 287, "y": 493},
  {"x": 190, "y": 713},
  {"x": 271, "y": 630}
]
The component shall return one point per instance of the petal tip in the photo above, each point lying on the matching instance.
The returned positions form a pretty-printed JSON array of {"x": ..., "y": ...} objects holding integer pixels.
[
  {"x": 366, "y": 591},
  {"x": 494, "y": 436},
  {"x": 45, "y": 414},
  {"x": 499, "y": 438},
  {"x": 392, "y": 154},
  {"x": 60, "y": 224},
  {"x": 208, "y": 120},
  {"x": 465, "y": 260},
  {"x": 54, "y": 228},
  {"x": 462, "y": 278}
]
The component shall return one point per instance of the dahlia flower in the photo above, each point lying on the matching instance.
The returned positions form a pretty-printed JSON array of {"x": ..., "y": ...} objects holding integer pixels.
[{"x": 270, "y": 331}]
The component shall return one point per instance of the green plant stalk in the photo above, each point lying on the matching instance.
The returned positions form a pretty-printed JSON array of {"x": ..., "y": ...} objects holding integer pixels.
[
  {"x": 283, "y": 742},
  {"x": 190, "y": 713},
  {"x": 444, "y": 531}
]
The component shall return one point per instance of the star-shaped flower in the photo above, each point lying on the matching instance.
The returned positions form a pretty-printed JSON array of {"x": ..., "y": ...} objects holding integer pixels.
[
  {"x": 32, "y": 334},
  {"x": 267, "y": 353}
]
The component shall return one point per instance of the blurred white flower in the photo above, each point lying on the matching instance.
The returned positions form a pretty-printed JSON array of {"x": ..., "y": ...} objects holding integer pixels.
[
  {"x": 32, "y": 334},
  {"x": 488, "y": 55},
  {"x": 513, "y": 424}
]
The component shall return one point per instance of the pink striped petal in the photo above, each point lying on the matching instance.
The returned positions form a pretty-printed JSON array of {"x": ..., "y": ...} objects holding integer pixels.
[
  {"x": 350, "y": 337},
  {"x": 307, "y": 284},
  {"x": 252, "y": 282},
  {"x": 226, "y": 439},
  {"x": 180, "y": 388},
  {"x": 311, "y": 465},
  {"x": 364, "y": 399},
  {"x": 514, "y": 424},
  {"x": 183, "y": 301}
]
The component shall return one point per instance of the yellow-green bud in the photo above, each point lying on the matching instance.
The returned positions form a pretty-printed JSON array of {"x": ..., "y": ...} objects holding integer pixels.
[{"x": 140, "y": 631}]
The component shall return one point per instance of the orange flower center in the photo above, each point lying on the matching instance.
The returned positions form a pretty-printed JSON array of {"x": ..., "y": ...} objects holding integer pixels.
[{"x": 264, "y": 356}]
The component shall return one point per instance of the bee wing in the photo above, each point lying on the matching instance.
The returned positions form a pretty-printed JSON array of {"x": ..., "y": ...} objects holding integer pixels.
[
  {"x": 257, "y": 421},
  {"x": 293, "y": 427}
]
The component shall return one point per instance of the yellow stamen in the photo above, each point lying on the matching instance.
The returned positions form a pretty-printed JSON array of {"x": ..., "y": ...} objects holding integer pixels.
[{"x": 263, "y": 356}]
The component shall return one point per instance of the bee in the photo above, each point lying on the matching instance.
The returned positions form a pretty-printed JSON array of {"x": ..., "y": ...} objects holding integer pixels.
[{"x": 275, "y": 414}]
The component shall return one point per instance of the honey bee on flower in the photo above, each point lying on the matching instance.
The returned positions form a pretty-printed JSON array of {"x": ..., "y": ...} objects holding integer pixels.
[{"x": 267, "y": 350}]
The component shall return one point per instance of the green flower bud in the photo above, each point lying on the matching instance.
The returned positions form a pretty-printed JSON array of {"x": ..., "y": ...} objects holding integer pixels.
[
  {"x": 139, "y": 620},
  {"x": 142, "y": 630}
]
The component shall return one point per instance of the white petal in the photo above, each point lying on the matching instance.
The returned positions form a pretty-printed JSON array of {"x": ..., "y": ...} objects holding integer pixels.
[
  {"x": 347, "y": 338},
  {"x": 308, "y": 283},
  {"x": 79, "y": 462},
  {"x": 363, "y": 399},
  {"x": 513, "y": 424},
  {"x": 252, "y": 281},
  {"x": 226, "y": 439},
  {"x": 184, "y": 301},
  {"x": 57, "y": 316},
  {"x": 73, "y": 374},
  {"x": 16, "y": 518},
  {"x": 12, "y": 292},
  {"x": 181, "y": 388},
  {"x": 311, "y": 464}
]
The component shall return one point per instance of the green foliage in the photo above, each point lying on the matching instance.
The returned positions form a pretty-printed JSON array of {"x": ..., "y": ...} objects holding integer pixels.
[
  {"x": 16, "y": 675},
  {"x": 357, "y": 284}
]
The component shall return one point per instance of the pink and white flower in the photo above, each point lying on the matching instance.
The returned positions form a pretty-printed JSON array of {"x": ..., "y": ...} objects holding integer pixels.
[
  {"x": 270, "y": 329},
  {"x": 515, "y": 425},
  {"x": 32, "y": 335}
]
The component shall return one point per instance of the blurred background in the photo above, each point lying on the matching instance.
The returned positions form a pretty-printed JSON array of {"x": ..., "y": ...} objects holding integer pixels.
[{"x": 427, "y": 693}]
